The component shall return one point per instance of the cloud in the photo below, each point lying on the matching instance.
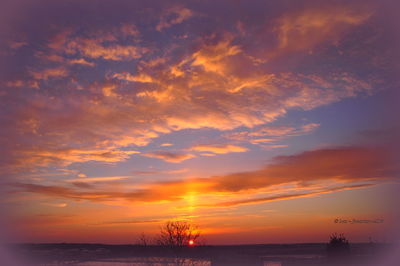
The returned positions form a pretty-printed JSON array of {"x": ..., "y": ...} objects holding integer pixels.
[
  {"x": 69, "y": 156},
  {"x": 97, "y": 179},
  {"x": 220, "y": 83},
  {"x": 303, "y": 29},
  {"x": 218, "y": 148},
  {"x": 17, "y": 44},
  {"x": 341, "y": 163},
  {"x": 81, "y": 61},
  {"x": 83, "y": 185},
  {"x": 287, "y": 196},
  {"x": 130, "y": 30},
  {"x": 271, "y": 134},
  {"x": 213, "y": 57},
  {"x": 130, "y": 222},
  {"x": 171, "y": 157},
  {"x": 55, "y": 58},
  {"x": 92, "y": 48},
  {"x": 108, "y": 117},
  {"x": 166, "y": 144},
  {"x": 173, "y": 16},
  {"x": 45, "y": 220},
  {"x": 59, "y": 205},
  {"x": 274, "y": 146},
  {"x": 22, "y": 83},
  {"x": 161, "y": 172},
  {"x": 309, "y": 173},
  {"x": 109, "y": 90},
  {"x": 58, "y": 72},
  {"x": 134, "y": 78},
  {"x": 98, "y": 45}
]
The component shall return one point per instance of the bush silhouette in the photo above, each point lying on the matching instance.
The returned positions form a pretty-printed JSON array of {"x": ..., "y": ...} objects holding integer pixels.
[
  {"x": 178, "y": 234},
  {"x": 338, "y": 246}
]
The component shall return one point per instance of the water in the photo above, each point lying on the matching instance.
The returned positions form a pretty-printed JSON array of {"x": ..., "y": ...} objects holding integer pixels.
[{"x": 272, "y": 263}]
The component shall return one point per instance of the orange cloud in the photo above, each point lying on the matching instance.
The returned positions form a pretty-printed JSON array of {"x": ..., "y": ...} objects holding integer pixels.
[
  {"x": 271, "y": 134},
  {"x": 67, "y": 156},
  {"x": 92, "y": 48},
  {"x": 59, "y": 205},
  {"x": 166, "y": 144},
  {"x": 23, "y": 83},
  {"x": 130, "y": 222},
  {"x": 108, "y": 90},
  {"x": 217, "y": 86},
  {"x": 309, "y": 173},
  {"x": 102, "y": 45},
  {"x": 173, "y": 16},
  {"x": 304, "y": 29},
  {"x": 220, "y": 149},
  {"x": 81, "y": 61},
  {"x": 212, "y": 57},
  {"x": 110, "y": 118},
  {"x": 346, "y": 164},
  {"x": 130, "y": 30},
  {"x": 97, "y": 179},
  {"x": 169, "y": 156},
  {"x": 136, "y": 78},
  {"x": 58, "y": 72},
  {"x": 163, "y": 172},
  {"x": 287, "y": 196}
]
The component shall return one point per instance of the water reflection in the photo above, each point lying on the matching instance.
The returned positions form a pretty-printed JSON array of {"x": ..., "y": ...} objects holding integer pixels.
[{"x": 272, "y": 263}]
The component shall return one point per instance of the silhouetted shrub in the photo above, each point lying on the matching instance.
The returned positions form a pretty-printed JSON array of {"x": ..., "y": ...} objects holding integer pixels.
[{"x": 338, "y": 246}]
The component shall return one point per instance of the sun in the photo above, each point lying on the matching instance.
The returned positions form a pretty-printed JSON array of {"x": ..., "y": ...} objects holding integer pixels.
[{"x": 191, "y": 243}]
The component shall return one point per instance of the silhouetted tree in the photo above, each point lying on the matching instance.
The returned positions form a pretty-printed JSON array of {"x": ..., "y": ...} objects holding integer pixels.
[
  {"x": 143, "y": 240},
  {"x": 338, "y": 246},
  {"x": 178, "y": 234}
]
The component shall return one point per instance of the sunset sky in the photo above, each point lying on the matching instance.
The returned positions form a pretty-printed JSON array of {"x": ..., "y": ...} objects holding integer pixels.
[{"x": 259, "y": 121}]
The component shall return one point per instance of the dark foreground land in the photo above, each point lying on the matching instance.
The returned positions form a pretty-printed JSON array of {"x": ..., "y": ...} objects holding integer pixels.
[{"x": 247, "y": 255}]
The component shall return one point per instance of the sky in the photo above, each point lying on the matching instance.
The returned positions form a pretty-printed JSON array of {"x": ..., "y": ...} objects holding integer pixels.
[{"x": 258, "y": 121}]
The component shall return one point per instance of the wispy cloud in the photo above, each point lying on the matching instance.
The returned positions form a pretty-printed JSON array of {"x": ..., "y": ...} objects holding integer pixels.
[
  {"x": 173, "y": 16},
  {"x": 54, "y": 204},
  {"x": 217, "y": 85},
  {"x": 172, "y": 157},
  {"x": 354, "y": 167},
  {"x": 68, "y": 156},
  {"x": 271, "y": 134},
  {"x": 166, "y": 144},
  {"x": 303, "y": 29},
  {"x": 97, "y": 179},
  {"x": 81, "y": 61},
  {"x": 99, "y": 45},
  {"x": 129, "y": 222},
  {"x": 163, "y": 172},
  {"x": 218, "y": 148},
  {"x": 58, "y": 72},
  {"x": 286, "y": 196}
]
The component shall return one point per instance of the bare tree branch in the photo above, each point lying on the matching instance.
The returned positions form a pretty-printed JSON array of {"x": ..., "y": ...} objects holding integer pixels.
[{"x": 178, "y": 234}]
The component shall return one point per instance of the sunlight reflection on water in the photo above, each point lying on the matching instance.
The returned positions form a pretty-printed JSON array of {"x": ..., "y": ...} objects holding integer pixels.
[{"x": 272, "y": 263}]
